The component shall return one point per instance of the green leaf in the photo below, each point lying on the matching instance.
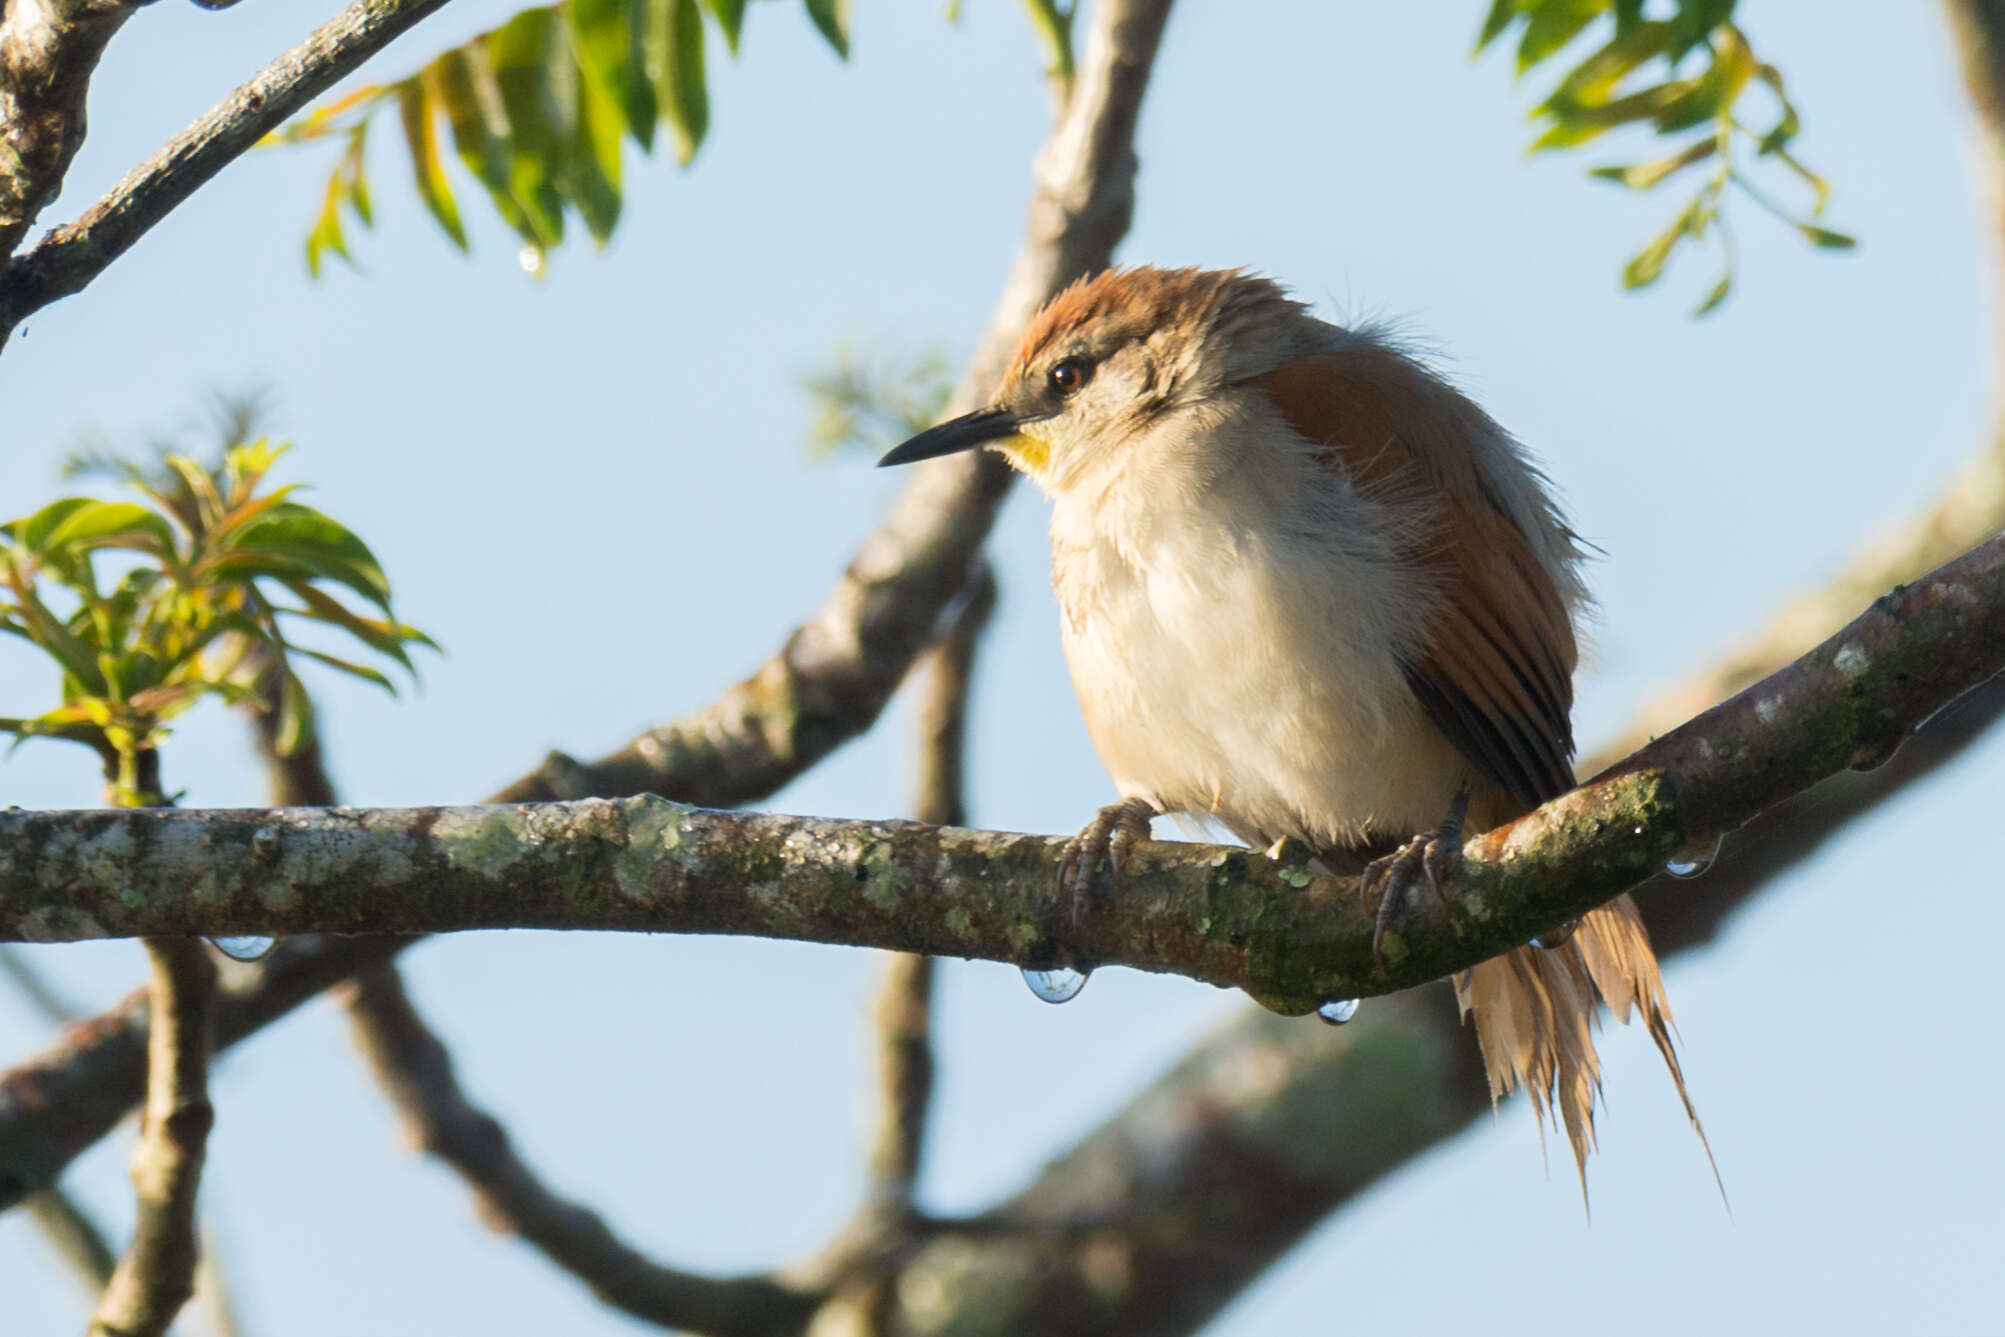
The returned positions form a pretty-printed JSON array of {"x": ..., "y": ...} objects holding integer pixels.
[
  {"x": 384, "y": 637},
  {"x": 1551, "y": 25},
  {"x": 301, "y": 534},
  {"x": 1715, "y": 297},
  {"x": 1712, "y": 95},
  {"x": 427, "y": 166},
  {"x": 32, "y": 533},
  {"x": 1826, "y": 238},
  {"x": 1592, "y": 82},
  {"x": 674, "y": 43},
  {"x": 295, "y": 714},
  {"x": 201, "y": 489},
  {"x": 1695, "y": 21},
  {"x": 96, "y": 524},
  {"x": 347, "y": 666},
  {"x": 324, "y": 237},
  {"x": 1648, "y": 264},
  {"x": 592, "y": 181},
  {"x": 832, "y": 18},
  {"x": 1644, "y": 175},
  {"x": 1502, "y": 14},
  {"x": 463, "y": 83},
  {"x": 524, "y": 53},
  {"x": 730, "y": 15},
  {"x": 606, "y": 34}
]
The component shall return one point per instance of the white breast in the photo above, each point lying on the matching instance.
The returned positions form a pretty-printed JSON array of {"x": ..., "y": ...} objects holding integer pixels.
[{"x": 1233, "y": 630}]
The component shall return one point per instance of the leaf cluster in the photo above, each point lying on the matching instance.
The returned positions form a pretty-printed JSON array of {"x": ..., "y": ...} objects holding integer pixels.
[
  {"x": 537, "y": 112},
  {"x": 863, "y": 405},
  {"x": 1683, "y": 73},
  {"x": 203, "y": 578}
]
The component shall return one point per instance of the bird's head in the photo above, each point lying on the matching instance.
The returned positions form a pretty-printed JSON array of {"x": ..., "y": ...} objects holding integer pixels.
[{"x": 1112, "y": 357}]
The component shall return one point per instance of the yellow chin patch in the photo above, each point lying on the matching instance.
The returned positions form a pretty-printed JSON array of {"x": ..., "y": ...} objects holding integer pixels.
[{"x": 1026, "y": 452}]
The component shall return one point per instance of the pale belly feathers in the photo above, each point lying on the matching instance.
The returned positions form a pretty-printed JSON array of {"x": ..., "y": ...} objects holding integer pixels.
[{"x": 1247, "y": 676}]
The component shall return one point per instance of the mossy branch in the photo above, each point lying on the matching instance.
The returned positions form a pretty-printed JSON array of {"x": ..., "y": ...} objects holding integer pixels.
[{"x": 1279, "y": 928}]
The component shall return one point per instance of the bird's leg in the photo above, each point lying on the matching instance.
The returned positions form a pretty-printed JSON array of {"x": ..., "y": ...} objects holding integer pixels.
[
  {"x": 1394, "y": 878},
  {"x": 1112, "y": 833}
]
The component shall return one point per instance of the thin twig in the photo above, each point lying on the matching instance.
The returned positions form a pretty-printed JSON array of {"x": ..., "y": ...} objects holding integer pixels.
[
  {"x": 415, "y": 1070},
  {"x": 826, "y": 686},
  {"x": 157, "y": 1274},
  {"x": 70, "y": 256},
  {"x": 1286, "y": 932},
  {"x": 75, "y": 1236},
  {"x": 55, "y": 1104},
  {"x": 48, "y": 51},
  {"x": 69, "y": 1228},
  {"x": 903, "y": 1010},
  {"x": 834, "y": 674}
]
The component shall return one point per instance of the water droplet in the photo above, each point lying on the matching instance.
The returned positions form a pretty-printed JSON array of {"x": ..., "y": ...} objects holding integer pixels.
[
  {"x": 246, "y": 947},
  {"x": 1060, "y": 985},
  {"x": 531, "y": 260},
  {"x": 1338, "y": 1010},
  {"x": 1556, "y": 936},
  {"x": 1692, "y": 862}
]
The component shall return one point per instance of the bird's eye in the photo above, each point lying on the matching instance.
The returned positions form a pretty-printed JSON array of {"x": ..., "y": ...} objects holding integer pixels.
[{"x": 1069, "y": 374}]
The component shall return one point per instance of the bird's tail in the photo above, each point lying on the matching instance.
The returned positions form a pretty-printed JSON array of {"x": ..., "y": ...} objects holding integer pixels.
[{"x": 1535, "y": 1013}]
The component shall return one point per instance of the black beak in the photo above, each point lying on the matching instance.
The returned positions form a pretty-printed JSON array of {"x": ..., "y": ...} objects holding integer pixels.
[{"x": 955, "y": 435}]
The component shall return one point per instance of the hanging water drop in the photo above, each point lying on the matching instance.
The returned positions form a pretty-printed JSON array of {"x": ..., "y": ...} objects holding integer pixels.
[
  {"x": 1338, "y": 1010},
  {"x": 1059, "y": 985},
  {"x": 244, "y": 947},
  {"x": 1691, "y": 863},
  {"x": 1556, "y": 936}
]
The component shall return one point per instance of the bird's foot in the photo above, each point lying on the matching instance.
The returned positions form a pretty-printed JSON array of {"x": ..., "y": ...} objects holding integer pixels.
[
  {"x": 1111, "y": 835},
  {"x": 1430, "y": 858}
]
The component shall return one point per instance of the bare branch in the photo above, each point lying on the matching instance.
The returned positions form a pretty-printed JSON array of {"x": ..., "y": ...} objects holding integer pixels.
[
  {"x": 55, "y": 1104},
  {"x": 833, "y": 676},
  {"x": 70, "y": 256},
  {"x": 69, "y": 1228},
  {"x": 76, "y": 1237},
  {"x": 903, "y": 1011},
  {"x": 48, "y": 51},
  {"x": 415, "y": 1070},
  {"x": 157, "y": 1274},
  {"x": 825, "y": 686},
  {"x": 1281, "y": 930}
]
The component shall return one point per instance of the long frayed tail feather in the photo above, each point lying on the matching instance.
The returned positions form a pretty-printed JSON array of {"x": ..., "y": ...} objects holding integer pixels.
[{"x": 1535, "y": 1013}]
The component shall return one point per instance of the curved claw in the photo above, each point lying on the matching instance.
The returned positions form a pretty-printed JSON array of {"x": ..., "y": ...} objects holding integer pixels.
[
  {"x": 1111, "y": 835},
  {"x": 1431, "y": 858}
]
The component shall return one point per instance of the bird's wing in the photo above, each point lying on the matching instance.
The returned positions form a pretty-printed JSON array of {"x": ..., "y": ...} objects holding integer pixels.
[{"x": 1496, "y": 671}]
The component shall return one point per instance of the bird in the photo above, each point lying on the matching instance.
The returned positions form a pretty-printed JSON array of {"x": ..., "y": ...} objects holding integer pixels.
[{"x": 1311, "y": 591}]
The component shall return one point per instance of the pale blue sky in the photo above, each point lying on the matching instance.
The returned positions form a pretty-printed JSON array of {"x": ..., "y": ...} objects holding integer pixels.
[{"x": 593, "y": 492}]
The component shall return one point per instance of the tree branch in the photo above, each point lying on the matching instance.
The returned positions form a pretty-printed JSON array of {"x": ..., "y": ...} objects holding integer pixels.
[
  {"x": 157, "y": 1274},
  {"x": 48, "y": 51},
  {"x": 904, "y": 1005},
  {"x": 416, "y": 1072},
  {"x": 55, "y": 1104},
  {"x": 70, "y": 256},
  {"x": 767, "y": 730},
  {"x": 1279, "y": 929},
  {"x": 833, "y": 676}
]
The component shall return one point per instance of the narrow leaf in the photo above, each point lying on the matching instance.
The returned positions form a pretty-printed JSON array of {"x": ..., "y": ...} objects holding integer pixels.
[
  {"x": 606, "y": 36},
  {"x": 347, "y": 666},
  {"x": 730, "y": 15},
  {"x": 1826, "y": 238},
  {"x": 832, "y": 18},
  {"x": 422, "y": 136}
]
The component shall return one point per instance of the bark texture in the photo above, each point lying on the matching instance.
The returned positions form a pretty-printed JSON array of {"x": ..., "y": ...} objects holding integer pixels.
[{"x": 1287, "y": 933}]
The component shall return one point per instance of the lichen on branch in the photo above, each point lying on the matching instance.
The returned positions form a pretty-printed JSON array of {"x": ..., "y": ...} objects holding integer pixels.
[{"x": 1282, "y": 929}]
